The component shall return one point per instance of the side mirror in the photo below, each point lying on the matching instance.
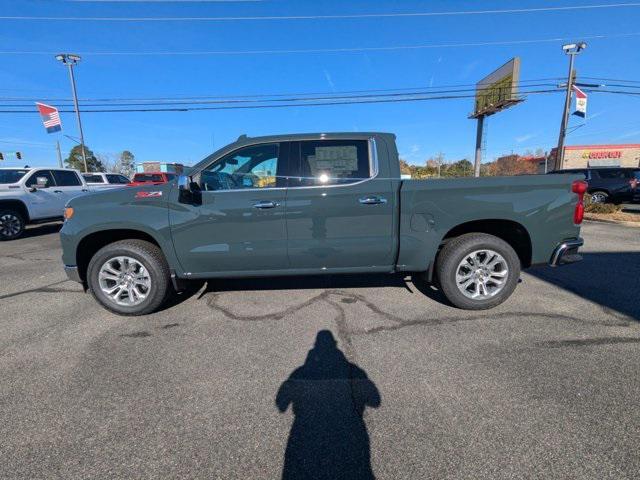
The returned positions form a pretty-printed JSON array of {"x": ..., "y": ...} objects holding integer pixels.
[
  {"x": 41, "y": 182},
  {"x": 184, "y": 182},
  {"x": 189, "y": 191}
]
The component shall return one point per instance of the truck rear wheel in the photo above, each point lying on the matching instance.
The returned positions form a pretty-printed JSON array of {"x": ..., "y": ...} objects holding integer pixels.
[
  {"x": 478, "y": 271},
  {"x": 129, "y": 277},
  {"x": 11, "y": 224}
]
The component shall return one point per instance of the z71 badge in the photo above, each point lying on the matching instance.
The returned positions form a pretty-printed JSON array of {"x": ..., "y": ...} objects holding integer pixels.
[{"x": 148, "y": 194}]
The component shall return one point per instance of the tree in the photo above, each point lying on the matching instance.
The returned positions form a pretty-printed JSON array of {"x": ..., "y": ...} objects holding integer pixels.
[
  {"x": 126, "y": 163},
  {"x": 513, "y": 165},
  {"x": 74, "y": 160}
]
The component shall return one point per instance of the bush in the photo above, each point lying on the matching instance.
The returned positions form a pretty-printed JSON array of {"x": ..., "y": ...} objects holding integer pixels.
[{"x": 590, "y": 207}]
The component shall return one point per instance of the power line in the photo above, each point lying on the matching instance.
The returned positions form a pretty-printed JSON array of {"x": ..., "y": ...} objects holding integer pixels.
[
  {"x": 326, "y": 17},
  {"x": 330, "y": 50},
  {"x": 437, "y": 88},
  {"x": 281, "y": 105},
  {"x": 331, "y": 96}
]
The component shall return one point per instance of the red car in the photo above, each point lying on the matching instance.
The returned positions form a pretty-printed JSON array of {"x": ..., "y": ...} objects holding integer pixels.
[{"x": 151, "y": 179}]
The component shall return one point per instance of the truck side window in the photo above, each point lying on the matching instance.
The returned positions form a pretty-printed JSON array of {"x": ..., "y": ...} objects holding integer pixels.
[
  {"x": 255, "y": 166},
  {"x": 333, "y": 162},
  {"x": 92, "y": 178},
  {"x": 66, "y": 178}
]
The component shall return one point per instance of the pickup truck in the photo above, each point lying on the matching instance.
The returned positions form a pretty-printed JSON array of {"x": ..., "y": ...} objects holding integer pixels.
[
  {"x": 35, "y": 195},
  {"x": 318, "y": 204}
]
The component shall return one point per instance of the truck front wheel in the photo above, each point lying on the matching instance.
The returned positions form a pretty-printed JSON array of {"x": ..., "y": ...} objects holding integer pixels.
[
  {"x": 477, "y": 271},
  {"x": 129, "y": 277}
]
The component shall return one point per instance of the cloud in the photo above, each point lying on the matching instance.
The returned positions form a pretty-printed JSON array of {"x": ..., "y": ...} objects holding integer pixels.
[
  {"x": 633, "y": 133},
  {"x": 413, "y": 154},
  {"x": 525, "y": 137},
  {"x": 327, "y": 75},
  {"x": 468, "y": 69}
]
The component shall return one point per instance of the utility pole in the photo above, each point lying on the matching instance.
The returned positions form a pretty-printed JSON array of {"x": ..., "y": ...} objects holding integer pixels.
[
  {"x": 571, "y": 49},
  {"x": 70, "y": 60},
  {"x": 478, "y": 159},
  {"x": 59, "y": 154},
  {"x": 439, "y": 157}
]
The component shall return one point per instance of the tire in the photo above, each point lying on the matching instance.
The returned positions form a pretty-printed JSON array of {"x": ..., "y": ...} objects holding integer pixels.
[
  {"x": 453, "y": 268},
  {"x": 11, "y": 224},
  {"x": 139, "y": 291},
  {"x": 599, "y": 197}
]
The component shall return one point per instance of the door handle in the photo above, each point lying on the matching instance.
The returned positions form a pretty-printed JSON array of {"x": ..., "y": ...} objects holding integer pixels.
[
  {"x": 57, "y": 191},
  {"x": 373, "y": 200},
  {"x": 266, "y": 204}
]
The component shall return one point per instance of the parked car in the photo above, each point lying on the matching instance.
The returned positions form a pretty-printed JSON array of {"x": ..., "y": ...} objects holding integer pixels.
[
  {"x": 156, "y": 178},
  {"x": 319, "y": 204},
  {"x": 610, "y": 184},
  {"x": 35, "y": 195},
  {"x": 99, "y": 180}
]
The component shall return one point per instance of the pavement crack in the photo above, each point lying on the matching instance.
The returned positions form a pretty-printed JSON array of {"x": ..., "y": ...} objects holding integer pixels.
[
  {"x": 495, "y": 316},
  {"x": 587, "y": 342},
  {"x": 43, "y": 289}
]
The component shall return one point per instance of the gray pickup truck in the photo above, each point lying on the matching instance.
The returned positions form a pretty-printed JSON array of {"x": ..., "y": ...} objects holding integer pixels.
[{"x": 318, "y": 204}]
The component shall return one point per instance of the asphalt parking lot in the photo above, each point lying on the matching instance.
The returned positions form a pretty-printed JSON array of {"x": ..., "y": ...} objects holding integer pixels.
[{"x": 332, "y": 377}]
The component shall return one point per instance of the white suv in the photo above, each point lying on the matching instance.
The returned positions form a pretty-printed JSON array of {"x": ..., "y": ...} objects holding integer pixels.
[
  {"x": 100, "y": 180},
  {"x": 35, "y": 195}
]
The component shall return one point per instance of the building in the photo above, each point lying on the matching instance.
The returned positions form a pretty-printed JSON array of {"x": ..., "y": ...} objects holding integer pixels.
[
  {"x": 584, "y": 156},
  {"x": 154, "y": 167}
]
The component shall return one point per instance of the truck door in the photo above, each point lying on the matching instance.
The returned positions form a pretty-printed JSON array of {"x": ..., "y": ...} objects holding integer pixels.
[
  {"x": 68, "y": 185},
  {"x": 43, "y": 202},
  {"x": 239, "y": 223},
  {"x": 339, "y": 211}
]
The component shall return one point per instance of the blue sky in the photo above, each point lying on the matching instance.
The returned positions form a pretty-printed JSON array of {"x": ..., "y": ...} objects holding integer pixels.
[{"x": 423, "y": 128}]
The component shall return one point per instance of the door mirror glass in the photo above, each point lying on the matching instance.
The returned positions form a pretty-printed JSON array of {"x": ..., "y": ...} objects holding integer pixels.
[{"x": 184, "y": 182}]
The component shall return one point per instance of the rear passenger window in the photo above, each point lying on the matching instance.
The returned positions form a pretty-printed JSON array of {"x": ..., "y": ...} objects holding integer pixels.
[
  {"x": 93, "y": 179},
  {"x": 614, "y": 174},
  {"x": 113, "y": 178},
  {"x": 333, "y": 162},
  {"x": 66, "y": 178}
]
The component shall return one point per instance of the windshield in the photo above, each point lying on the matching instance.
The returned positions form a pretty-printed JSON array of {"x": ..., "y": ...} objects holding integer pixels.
[
  {"x": 147, "y": 177},
  {"x": 11, "y": 176}
]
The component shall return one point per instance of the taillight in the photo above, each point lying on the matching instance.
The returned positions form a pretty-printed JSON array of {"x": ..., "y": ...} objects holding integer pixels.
[{"x": 579, "y": 187}]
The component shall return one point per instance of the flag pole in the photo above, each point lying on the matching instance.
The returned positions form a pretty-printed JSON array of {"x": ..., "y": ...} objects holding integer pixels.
[{"x": 59, "y": 154}]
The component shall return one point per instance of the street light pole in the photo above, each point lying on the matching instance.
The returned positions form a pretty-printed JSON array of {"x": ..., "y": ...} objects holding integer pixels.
[
  {"x": 572, "y": 50},
  {"x": 70, "y": 60}
]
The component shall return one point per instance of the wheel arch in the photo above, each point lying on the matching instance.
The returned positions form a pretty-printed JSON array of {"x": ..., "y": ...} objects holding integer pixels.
[
  {"x": 91, "y": 243},
  {"x": 512, "y": 232},
  {"x": 18, "y": 205}
]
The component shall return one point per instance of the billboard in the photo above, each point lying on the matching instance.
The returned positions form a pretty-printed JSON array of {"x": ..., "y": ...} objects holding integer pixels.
[{"x": 498, "y": 90}]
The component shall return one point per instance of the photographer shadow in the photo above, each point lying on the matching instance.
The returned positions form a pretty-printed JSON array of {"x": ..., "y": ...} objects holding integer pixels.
[{"x": 328, "y": 396}]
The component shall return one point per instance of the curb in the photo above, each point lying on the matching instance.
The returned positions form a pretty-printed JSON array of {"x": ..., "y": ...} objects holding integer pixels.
[{"x": 614, "y": 222}]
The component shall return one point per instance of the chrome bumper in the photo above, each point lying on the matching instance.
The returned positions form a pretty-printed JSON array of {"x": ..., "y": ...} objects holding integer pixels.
[
  {"x": 72, "y": 273},
  {"x": 566, "y": 252}
]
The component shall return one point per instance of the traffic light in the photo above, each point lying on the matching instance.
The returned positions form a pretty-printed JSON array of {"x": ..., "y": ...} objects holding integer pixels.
[{"x": 18, "y": 155}]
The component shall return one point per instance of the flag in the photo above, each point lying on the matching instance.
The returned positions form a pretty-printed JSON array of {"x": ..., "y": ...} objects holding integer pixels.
[
  {"x": 581, "y": 102},
  {"x": 50, "y": 117}
]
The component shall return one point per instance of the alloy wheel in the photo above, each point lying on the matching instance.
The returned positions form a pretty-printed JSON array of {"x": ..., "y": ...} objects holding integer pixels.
[
  {"x": 124, "y": 280},
  {"x": 482, "y": 274}
]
